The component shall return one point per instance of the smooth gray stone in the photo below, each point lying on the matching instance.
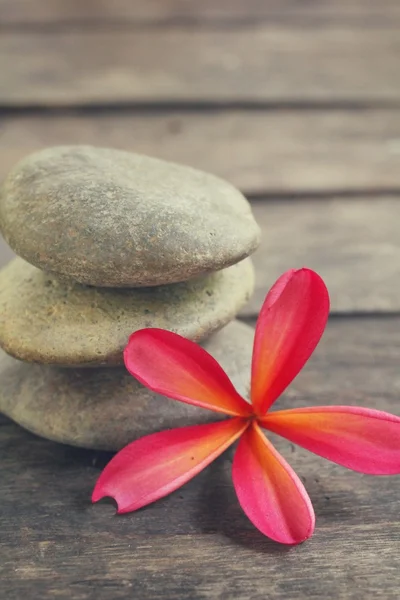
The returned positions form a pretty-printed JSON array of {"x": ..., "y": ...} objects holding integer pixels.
[
  {"x": 110, "y": 218},
  {"x": 106, "y": 409},
  {"x": 46, "y": 321}
]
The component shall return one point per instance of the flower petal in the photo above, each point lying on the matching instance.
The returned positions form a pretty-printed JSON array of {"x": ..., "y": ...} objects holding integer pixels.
[
  {"x": 269, "y": 491},
  {"x": 361, "y": 439},
  {"x": 289, "y": 327},
  {"x": 157, "y": 464},
  {"x": 170, "y": 364}
]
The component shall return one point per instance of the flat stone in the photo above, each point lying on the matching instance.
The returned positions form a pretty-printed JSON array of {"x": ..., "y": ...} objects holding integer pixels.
[
  {"x": 106, "y": 409},
  {"x": 46, "y": 321},
  {"x": 111, "y": 218}
]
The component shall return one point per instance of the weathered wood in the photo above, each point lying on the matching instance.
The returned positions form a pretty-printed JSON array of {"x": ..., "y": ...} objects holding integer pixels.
[
  {"x": 353, "y": 243},
  {"x": 192, "y": 11},
  {"x": 258, "y": 151},
  {"x": 197, "y": 543},
  {"x": 263, "y": 64}
]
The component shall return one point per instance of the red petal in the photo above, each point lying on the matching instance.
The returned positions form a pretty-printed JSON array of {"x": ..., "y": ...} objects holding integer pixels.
[
  {"x": 171, "y": 365},
  {"x": 158, "y": 464},
  {"x": 269, "y": 491},
  {"x": 361, "y": 439},
  {"x": 289, "y": 327}
]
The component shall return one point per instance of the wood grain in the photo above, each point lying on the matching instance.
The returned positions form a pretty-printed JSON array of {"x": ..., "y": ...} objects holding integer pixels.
[
  {"x": 353, "y": 243},
  {"x": 261, "y": 152},
  {"x": 231, "y": 54},
  {"x": 257, "y": 64},
  {"x": 192, "y": 11},
  {"x": 197, "y": 543}
]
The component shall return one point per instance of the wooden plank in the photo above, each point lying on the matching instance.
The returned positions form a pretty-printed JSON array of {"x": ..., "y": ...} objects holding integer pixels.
[
  {"x": 192, "y": 11},
  {"x": 353, "y": 244},
  {"x": 197, "y": 543},
  {"x": 262, "y": 64},
  {"x": 258, "y": 151}
]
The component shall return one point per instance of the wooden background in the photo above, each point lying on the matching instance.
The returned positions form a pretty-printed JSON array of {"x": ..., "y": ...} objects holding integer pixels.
[{"x": 297, "y": 102}]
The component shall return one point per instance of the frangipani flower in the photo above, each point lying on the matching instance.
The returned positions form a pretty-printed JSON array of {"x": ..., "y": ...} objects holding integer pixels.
[{"x": 289, "y": 328}]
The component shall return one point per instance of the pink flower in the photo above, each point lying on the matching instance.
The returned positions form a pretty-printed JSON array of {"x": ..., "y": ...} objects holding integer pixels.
[{"x": 289, "y": 328}]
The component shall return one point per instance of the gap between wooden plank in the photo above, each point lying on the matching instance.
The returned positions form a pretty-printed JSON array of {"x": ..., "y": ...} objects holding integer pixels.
[
  {"x": 264, "y": 153},
  {"x": 348, "y": 317},
  {"x": 292, "y": 64}
]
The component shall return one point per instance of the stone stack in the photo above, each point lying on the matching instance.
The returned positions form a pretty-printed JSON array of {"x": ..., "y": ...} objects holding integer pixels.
[{"x": 109, "y": 242}]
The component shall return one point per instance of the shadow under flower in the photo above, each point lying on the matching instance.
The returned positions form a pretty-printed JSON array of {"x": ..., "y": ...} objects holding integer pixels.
[{"x": 219, "y": 512}]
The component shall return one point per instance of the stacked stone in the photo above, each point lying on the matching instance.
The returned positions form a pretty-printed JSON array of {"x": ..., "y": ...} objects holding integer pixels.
[{"x": 109, "y": 242}]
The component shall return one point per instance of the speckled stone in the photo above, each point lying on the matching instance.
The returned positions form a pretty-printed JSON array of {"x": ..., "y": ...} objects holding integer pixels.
[
  {"x": 111, "y": 218},
  {"x": 107, "y": 408},
  {"x": 46, "y": 321}
]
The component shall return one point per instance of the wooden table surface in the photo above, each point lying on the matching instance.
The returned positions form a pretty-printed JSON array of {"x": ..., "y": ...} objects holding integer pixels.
[{"x": 298, "y": 104}]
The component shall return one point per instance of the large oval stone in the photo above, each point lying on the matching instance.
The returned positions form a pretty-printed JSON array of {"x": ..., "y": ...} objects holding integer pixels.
[
  {"x": 44, "y": 320},
  {"x": 106, "y": 409},
  {"x": 111, "y": 218}
]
